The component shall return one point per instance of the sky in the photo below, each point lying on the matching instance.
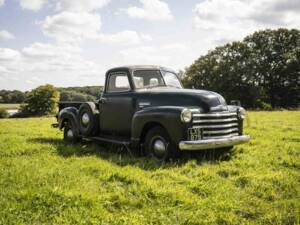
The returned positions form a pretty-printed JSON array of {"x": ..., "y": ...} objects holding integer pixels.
[{"x": 73, "y": 42}]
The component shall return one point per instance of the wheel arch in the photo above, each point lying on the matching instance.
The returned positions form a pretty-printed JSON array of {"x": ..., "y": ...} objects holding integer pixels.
[
  {"x": 147, "y": 127},
  {"x": 167, "y": 117},
  {"x": 68, "y": 114}
]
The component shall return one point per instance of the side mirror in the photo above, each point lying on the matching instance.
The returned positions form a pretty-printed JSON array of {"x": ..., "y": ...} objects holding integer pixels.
[{"x": 235, "y": 102}]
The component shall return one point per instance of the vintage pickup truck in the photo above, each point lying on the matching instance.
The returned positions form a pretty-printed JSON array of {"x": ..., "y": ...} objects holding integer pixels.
[{"x": 147, "y": 109}]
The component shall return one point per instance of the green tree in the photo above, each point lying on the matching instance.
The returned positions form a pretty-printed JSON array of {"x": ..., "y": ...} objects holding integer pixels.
[
  {"x": 14, "y": 96},
  {"x": 263, "y": 69},
  {"x": 41, "y": 100},
  {"x": 73, "y": 96}
]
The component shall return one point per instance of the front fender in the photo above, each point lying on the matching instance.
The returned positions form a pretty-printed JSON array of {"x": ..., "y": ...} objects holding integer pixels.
[
  {"x": 166, "y": 116},
  {"x": 70, "y": 114}
]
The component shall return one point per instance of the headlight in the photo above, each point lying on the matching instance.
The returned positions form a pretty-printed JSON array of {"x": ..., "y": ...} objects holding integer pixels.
[
  {"x": 186, "y": 115},
  {"x": 242, "y": 113}
]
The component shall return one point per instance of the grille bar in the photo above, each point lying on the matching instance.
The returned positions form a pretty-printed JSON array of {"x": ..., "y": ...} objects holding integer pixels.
[
  {"x": 222, "y": 136},
  {"x": 214, "y": 120},
  {"x": 214, "y": 115},
  {"x": 217, "y": 126},
  {"x": 219, "y": 131}
]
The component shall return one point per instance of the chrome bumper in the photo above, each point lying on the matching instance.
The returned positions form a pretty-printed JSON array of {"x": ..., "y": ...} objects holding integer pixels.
[{"x": 213, "y": 143}]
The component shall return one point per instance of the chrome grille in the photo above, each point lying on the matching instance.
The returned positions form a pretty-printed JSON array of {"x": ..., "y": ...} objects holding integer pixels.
[{"x": 216, "y": 125}]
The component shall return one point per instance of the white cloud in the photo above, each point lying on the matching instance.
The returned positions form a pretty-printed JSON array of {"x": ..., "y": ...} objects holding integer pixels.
[
  {"x": 81, "y": 5},
  {"x": 70, "y": 26},
  {"x": 126, "y": 37},
  {"x": 1, "y": 3},
  {"x": 170, "y": 55},
  {"x": 34, "y": 5},
  {"x": 73, "y": 26},
  {"x": 5, "y": 35},
  {"x": 229, "y": 20},
  {"x": 63, "y": 5},
  {"x": 151, "y": 10},
  {"x": 54, "y": 57},
  {"x": 47, "y": 51},
  {"x": 7, "y": 54},
  {"x": 39, "y": 63}
]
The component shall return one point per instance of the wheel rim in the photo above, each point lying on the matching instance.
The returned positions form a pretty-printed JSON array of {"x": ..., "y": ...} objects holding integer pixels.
[
  {"x": 159, "y": 146},
  {"x": 85, "y": 119},
  {"x": 70, "y": 133}
]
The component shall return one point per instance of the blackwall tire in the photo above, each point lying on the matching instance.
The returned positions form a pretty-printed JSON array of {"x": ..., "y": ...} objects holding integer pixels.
[
  {"x": 70, "y": 135},
  {"x": 159, "y": 146},
  {"x": 88, "y": 117}
]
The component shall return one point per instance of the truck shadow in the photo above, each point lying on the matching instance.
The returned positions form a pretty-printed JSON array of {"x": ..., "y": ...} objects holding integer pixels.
[{"x": 121, "y": 156}]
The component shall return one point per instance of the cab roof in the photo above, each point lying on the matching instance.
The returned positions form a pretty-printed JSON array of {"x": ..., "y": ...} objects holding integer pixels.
[{"x": 139, "y": 67}]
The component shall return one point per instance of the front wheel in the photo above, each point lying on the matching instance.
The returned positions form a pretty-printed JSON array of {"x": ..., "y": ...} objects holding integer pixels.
[
  {"x": 70, "y": 135},
  {"x": 159, "y": 145}
]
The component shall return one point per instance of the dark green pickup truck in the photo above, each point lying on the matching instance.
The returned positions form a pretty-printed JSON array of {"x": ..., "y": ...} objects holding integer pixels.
[{"x": 147, "y": 109}]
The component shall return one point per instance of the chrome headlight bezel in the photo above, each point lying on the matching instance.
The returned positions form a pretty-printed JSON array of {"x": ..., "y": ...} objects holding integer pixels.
[
  {"x": 186, "y": 115},
  {"x": 242, "y": 113}
]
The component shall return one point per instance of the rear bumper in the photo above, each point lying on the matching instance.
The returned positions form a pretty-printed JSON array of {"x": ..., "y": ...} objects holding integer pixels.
[{"x": 213, "y": 143}]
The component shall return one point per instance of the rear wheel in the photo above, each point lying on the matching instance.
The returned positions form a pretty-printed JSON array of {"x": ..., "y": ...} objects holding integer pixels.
[
  {"x": 70, "y": 135},
  {"x": 88, "y": 117},
  {"x": 158, "y": 145}
]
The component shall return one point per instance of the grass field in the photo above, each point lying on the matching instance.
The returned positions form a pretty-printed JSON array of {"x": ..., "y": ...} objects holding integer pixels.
[
  {"x": 44, "y": 181},
  {"x": 9, "y": 106}
]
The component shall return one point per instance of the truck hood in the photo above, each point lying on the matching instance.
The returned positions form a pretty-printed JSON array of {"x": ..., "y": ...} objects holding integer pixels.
[{"x": 207, "y": 100}]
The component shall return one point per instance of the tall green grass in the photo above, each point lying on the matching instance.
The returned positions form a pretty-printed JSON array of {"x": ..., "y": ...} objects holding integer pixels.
[
  {"x": 9, "y": 106},
  {"x": 44, "y": 181}
]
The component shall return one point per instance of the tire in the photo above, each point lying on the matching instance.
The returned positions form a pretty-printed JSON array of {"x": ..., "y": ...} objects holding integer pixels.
[
  {"x": 70, "y": 135},
  {"x": 158, "y": 145},
  {"x": 88, "y": 117}
]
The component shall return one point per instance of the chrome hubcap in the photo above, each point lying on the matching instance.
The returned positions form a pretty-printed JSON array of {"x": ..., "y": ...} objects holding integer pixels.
[
  {"x": 85, "y": 119},
  {"x": 159, "y": 147},
  {"x": 70, "y": 133}
]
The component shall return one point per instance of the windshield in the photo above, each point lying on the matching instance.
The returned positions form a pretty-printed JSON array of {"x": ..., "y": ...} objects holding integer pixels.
[{"x": 155, "y": 78}]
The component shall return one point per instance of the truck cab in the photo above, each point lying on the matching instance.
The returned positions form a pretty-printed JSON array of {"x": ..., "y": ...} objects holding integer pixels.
[{"x": 147, "y": 109}]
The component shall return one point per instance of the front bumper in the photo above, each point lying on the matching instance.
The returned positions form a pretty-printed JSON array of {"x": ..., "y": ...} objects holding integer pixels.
[{"x": 213, "y": 143}]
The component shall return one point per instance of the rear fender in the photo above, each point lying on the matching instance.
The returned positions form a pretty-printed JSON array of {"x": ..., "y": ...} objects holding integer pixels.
[{"x": 68, "y": 114}]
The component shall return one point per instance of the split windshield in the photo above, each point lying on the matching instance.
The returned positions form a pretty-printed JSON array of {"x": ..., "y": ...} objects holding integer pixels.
[{"x": 155, "y": 78}]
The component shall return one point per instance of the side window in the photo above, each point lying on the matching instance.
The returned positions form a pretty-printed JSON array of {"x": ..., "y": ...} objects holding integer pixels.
[{"x": 118, "y": 82}]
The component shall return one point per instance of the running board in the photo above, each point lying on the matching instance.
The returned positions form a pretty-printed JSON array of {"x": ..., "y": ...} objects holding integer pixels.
[{"x": 111, "y": 140}]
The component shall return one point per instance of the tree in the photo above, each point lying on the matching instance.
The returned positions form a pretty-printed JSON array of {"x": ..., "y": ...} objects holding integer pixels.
[
  {"x": 11, "y": 96},
  {"x": 262, "y": 69},
  {"x": 41, "y": 100},
  {"x": 73, "y": 96}
]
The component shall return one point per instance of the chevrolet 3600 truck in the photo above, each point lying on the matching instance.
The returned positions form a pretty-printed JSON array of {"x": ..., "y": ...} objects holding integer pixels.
[{"x": 147, "y": 109}]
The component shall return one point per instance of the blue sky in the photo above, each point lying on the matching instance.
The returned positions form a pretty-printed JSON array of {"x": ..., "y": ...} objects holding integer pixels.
[{"x": 73, "y": 42}]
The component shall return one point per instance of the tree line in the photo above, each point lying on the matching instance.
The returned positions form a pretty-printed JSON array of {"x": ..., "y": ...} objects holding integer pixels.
[
  {"x": 262, "y": 71},
  {"x": 87, "y": 93}
]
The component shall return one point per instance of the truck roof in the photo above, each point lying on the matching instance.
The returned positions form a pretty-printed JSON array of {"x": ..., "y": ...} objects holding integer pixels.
[{"x": 139, "y": 67}]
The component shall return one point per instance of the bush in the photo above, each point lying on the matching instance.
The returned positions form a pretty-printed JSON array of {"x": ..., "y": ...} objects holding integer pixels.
[
  {"x": 41, "y": 101},
  {"x": 3, "y": 113}
]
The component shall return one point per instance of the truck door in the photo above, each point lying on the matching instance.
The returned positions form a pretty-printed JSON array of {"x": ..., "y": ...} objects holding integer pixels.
[{"x": 116, "y": 105}]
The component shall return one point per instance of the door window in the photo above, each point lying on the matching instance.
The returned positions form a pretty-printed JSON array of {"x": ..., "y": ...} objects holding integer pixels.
[{"x": 118, "y": 82}]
